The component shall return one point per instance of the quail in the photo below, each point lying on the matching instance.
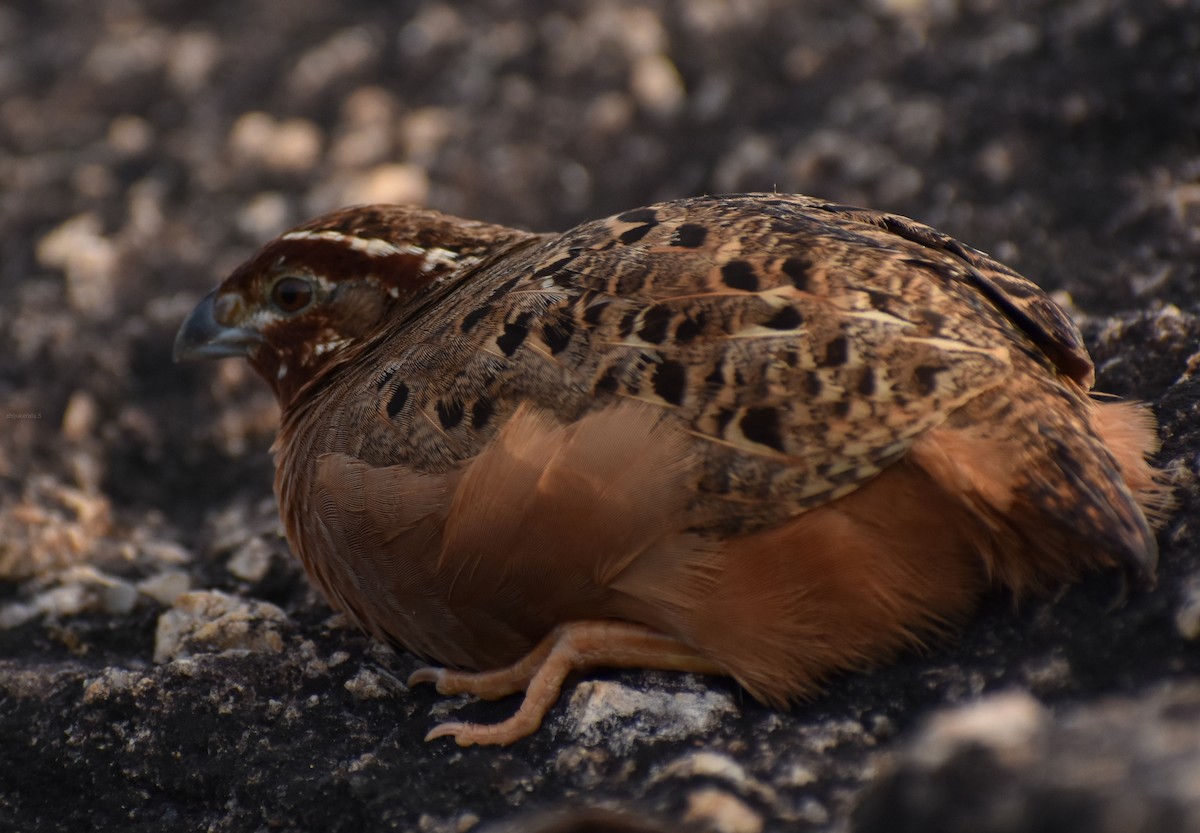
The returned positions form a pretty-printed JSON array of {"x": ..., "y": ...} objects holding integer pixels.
[{"x": 761, "y": 435}]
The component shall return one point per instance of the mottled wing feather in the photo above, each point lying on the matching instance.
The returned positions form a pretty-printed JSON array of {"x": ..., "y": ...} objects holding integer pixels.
[
  {"x": 809, "y": 354},
  {"x": 1023, "y": 301}
]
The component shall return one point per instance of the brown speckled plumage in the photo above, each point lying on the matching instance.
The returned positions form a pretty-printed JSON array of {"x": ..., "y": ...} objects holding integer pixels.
[{"x": 761, "y": 435}]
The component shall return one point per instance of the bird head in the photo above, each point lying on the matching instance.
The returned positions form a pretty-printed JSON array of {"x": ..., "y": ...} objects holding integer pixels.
[{"x": 311, "y": 298}]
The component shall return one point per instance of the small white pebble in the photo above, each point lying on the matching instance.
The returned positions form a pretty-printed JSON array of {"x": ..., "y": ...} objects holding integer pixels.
[
  {"x": 367, "y": 685},
  {"x": 165, "y": 587},
  {"x": 251, "y": 561}
]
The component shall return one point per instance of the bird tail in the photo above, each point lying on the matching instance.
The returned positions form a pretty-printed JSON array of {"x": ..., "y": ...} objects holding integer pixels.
[{"x": 1061, "y": 482}]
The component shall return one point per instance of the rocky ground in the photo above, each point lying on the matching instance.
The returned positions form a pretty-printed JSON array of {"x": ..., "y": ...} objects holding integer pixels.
[{"x": 163, "y": 664}]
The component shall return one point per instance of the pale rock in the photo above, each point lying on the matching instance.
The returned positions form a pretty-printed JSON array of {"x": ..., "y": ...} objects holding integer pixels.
[
  {"x": 208, "y": 621},
  {"x": 619, "y": 717}
]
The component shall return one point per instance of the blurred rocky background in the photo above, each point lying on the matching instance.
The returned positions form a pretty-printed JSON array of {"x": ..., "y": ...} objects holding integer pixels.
[{"x": 163, "y": 664}]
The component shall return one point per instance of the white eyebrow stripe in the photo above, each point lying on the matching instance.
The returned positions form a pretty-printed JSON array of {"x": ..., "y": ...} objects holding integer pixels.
[
  {"x": 431, "y": 258},
  {"x": 371, "y": 246}
]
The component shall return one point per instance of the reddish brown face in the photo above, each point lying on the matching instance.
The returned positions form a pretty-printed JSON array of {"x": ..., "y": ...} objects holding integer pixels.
[{"x": 308, "y": 298}]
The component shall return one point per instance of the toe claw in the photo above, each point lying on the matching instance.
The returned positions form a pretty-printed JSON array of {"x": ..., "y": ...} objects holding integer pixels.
[
  {"x": 459, "y": 731},
  {"x": 485, "y": 734},
  {"x": 427, "y": 674}
]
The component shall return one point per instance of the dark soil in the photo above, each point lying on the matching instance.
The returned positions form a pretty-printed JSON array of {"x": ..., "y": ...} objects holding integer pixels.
[{"x": 147, "y": 146}]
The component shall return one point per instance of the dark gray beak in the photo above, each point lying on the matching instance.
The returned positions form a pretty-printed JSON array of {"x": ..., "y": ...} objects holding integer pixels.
[{"x": 202, "y": 337}]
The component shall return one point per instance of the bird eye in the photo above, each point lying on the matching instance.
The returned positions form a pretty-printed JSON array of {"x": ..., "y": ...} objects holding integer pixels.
[{"x": 291, "y": 294}]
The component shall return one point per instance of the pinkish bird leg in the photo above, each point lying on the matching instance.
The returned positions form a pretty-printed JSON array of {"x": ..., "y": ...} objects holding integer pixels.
[{"x": 576, "y": 646}]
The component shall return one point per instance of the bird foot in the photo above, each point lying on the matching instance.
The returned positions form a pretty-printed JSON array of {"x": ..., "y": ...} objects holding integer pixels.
[{"x": 576, "y": 646}]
